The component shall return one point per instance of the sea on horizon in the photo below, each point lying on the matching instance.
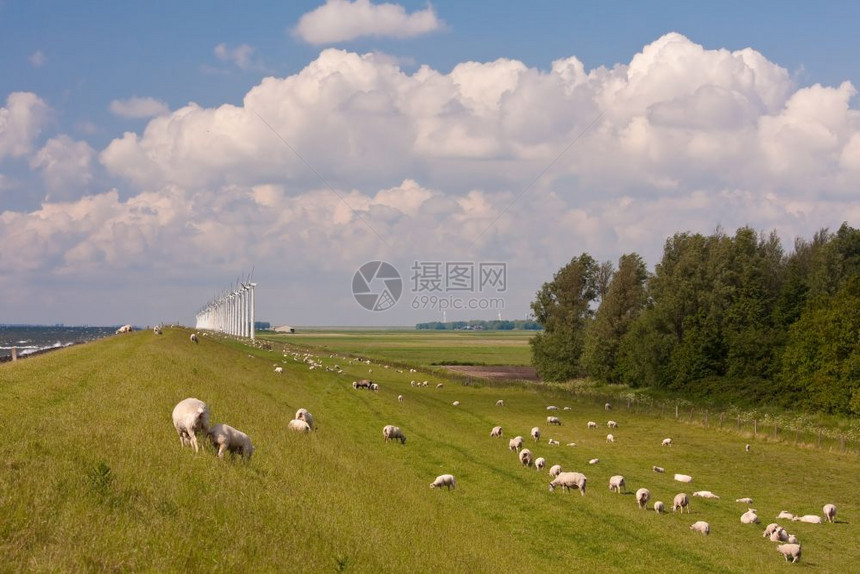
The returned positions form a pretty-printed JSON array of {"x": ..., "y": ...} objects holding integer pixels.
[{"x": 30, "y": 339}]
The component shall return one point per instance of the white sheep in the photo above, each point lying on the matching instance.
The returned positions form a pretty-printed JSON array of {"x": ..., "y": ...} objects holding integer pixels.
[
  {"x": 124, "y": 329},
  {"x": 497, "y": 431},
  {"x": 399, "y": 398},
  {"x": 791, "y": 551},
  {"x": 785, "y": 514},
  {"x": 555, "y": 470},
  {"x": 683, "y": 478},
  {"x": 439, "y": 385},
  {"x": 792, "y": 539},
  {"x": 516, "y": 443},
  {"x": 667, "y": 442},
  {"x": 500, "y": 403},
  {"x": 553, "y": 421},
  {"x": 568, "y": 480},
  {"x": 610, "y": 438},
  {"x": 770, "y": 529},
  {"x": 594, "y": 461},
  {"x": 830, "y": 512},
  {"x": 194, "y": 338},
  {"x": 747, "y": 447},
  {"x": 643, "y": 495},
  {"x": 701, "y": 526},
  {"x": 745, "y": 500},
  {"x": 190, "y": 416},
  {"x": 750, "y": 516},
  {"x": 553, "y": 442},
  {"x": 299, "y": 426},
  {"x": 659, "y": 507},
  {"x": 706, "y": 494},
  {"x": 681, "y": 501},
  {"x": 526, "y": 457},
  {"x": 552, "y": 408},
  {"x": 304, "y": 415},
  {"x": 444, "y": 480},
  {"x": 540, "y": 463},
  {"x": 658, "y": 469},
  {"x": 779, "y": 535},
  {"x": 536, "y": 433},
  {"x": 391, "y": 432},
  {"x": 456, "y": 403},
  {"x": 227, "y": 439},
  {"x": 616, "y": 483},
  {"x": 571, "y": 444},
  {"x": 607, "y": 406},
  {"x": 612, "y": 424},
  {"x": 808, "y": 518},
  {"x": 279, "y": 370},
  {"x": 592, "y": 425}
]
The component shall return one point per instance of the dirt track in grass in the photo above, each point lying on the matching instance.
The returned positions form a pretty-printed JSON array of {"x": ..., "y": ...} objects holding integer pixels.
[{"x": 496, "y": 373}]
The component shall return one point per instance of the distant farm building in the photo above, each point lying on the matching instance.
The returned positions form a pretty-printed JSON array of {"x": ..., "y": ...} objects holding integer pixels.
[{"x": 284, "y": 329}]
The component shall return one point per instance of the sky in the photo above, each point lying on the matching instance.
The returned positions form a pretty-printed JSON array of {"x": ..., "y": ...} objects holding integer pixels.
[{"x": 152, "y": 155}]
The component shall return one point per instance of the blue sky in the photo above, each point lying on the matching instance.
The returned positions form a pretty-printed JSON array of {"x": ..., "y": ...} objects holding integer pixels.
[{"x": 398, "y": 163}]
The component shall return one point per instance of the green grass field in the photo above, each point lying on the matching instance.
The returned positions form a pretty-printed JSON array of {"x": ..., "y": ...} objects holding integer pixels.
[
  {"x": 93, "y": 477},
  {"x": 422, "y": 348}
]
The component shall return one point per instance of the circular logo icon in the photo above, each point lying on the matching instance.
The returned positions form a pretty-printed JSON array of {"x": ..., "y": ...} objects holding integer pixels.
[{"x": 377, "y": 286}]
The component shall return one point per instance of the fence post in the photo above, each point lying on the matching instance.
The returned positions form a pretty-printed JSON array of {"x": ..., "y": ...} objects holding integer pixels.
[
  {"x": 676, "y": 410},
  {"x": 842, "y": 441},
  {"x": 755, "y": 427},
  {"x": 14, "y": 353}
]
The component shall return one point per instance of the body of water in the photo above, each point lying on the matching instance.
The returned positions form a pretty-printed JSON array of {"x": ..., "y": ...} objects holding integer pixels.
[{"x": 30, "y": 339}]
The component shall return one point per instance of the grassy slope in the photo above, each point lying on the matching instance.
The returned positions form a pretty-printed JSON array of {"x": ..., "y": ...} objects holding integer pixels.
[{"x": 340, "y": 498}]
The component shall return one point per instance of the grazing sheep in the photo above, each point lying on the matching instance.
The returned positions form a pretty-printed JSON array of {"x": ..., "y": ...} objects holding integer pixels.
[
  {"x": 553, "y": 421},
  {"x": 536, "y": 433},
  {"x": 706, "y": 494},
  {"x": 785, "y": 514},
  {"x": 279, "y": 370},
  {"x": 747, "y": 448},
  {"x": 750, "y": 516},
  {"x": 610, "y": 438},
  {"x": 808, "y": 518},
  {"x": 681, "y": 501},
  {"x": 789, "y": 551},
  {"x": 770, "y": 529},
  {"x": 373, "y": 387},
  {"x": 555, "y": 470},
  {"x": 667, "y": 442},
  {"x": 156, "y": 330},
  {"x": 745, "y": 500},
  {"x": 617, "y": 484},
  {"x": 553, "y": 442},
  {"x": 194, "y": 337},
  {"x": 592, "y": 425},
  {"x": 391, "y": 432},
  {"x": 701, "y": 526},
  {"x": 607, "y": 406},
  {"x": 552, "y": 408},
  {"x": 444, "y": 480},
  {"x": 540, "y": 462},
  {"x": 658, "y": 469},
  {"x": 643, "y": 495},
  {"x": 399, "y": 398},
  {"x": 227, "y": 439},
  {"x": 456, "y": 403},
  {"x": 683, "y": 478},
  {"x": 500, "y": 403},
  {"x": 439, "y": 385},
  {"x": 299, "y": 426},
  {"x": 304, "y": 415},
  {"x": 526, "y": 457},
  {"x": 497, "y": 431},
  {"x": 571, "y": 444},
  {"x": 124, "y": 329},
  {"x": 612, "y": 424},
  {"x": 568, "y": 480},
  {"x": 594, "y": 461},
  {"x": 830, "y": 512},
  {"x": 659, "y": 507},
  {"x": 516, "y": 443},
  {"x": 190, "y": 416}
]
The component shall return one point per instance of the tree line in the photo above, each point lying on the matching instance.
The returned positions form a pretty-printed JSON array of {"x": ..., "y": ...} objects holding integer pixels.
[{"x": 729, "y": 317}]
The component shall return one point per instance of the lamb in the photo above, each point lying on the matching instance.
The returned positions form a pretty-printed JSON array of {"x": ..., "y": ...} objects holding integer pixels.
[
  {"x": 456, "y": 403},
  {"x": 553, "y": 421},
  {"x": 304, "y": 415},
  {"x": 683, "y": 478},
  {"x": 391, "y": 432},
  {"x": 592, "y": 425},
  {"x": 612, "y": 424},
  {"x": 616, "y": 483},
  {"x": 299, "y": 426},
  {"x": 194, "y": 338},
  {"x": 555, "y": 470},
  {"x": 770, "y": 529},
  {"x": 667, "y": 442},
  {"x": 190, "y": 416},
  {"x": 643, "y": 495},
  {"x": 568, "y": 480},
  {"x": 227, "y": 439},
  {"x": 399, "y": 398},
  {"x": 701, "y": 526},
  {"x": 779, "y": 535},
  {"x": 808, "y": 518},
  {"x": 540, "y": 462},
  {"x": 594, "y": 461},
  {"x": 706, "y": 494},
  {"x": 536, "y": 433},
  {"x": 750, "y": 516},
  {"x": 681, "y": 501},
  {"x": 830, "y": 512},
  {"x": 610, "y": 438},
  {"x": 500, "y": 403},
  {"x": 785, "y": 514},
  {"x": 659, "y": 507},
  {"x": 444, "y": 480},
  {"x": 658, "y": 469},
  {"x": 279, "y": 370},
  {"x": 607, "y": 406},
  {"x": 745, "y": 500},
  {"x": 553, "y": 442},
  {"x": 516, "y": 443},
  {"x": 526, "y": 457},
  {"x": 497, "y": 431},
  {"x": 552, "y": 408},
  {"x": 792, "y": 539},
  {"x": 789, "y": 551}
]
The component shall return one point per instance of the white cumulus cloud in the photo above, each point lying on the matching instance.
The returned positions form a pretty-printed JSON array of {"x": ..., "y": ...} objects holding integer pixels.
[
  {"x": 342, "y": 20},
  {"x": 66, "y": 166},
  {"x": 21, "y": 122},
  {"x": 136, "y": 108}
]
